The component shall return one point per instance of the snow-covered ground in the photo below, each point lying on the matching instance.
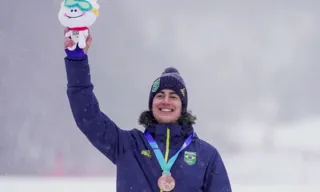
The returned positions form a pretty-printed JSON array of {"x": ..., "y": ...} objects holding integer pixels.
[
  {"x": 292, "y": 155},
  {"x": 108, "y": 185}
]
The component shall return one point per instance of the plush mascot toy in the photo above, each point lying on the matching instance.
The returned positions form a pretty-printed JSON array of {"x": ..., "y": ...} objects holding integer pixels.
[{"x": 78, "y": 16}]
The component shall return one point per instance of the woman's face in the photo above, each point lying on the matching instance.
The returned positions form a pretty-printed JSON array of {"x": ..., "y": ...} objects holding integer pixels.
[{"x": 166, "y": 106}]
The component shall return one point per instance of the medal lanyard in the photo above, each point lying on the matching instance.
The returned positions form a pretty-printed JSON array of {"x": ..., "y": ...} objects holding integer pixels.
[{"x": 166, "y": 166}]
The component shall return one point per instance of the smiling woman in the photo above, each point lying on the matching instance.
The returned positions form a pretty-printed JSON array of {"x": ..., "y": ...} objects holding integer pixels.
[
  {"x": 152, "y": 156},
  {"x": 168, "y": 155},
  {"x": 169, "y": 97},
  {"x": 166, "y": 106}
]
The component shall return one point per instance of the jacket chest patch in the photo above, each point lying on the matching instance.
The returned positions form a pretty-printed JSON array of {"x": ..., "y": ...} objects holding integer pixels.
[{"x": 190, "y": 157}]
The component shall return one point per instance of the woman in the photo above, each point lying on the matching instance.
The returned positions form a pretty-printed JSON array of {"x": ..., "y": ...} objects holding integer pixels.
[{"x": 189, "y": 164}]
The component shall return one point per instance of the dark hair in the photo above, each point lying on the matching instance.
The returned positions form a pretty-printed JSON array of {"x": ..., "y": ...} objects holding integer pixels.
[{"x": 147, "y": 119}]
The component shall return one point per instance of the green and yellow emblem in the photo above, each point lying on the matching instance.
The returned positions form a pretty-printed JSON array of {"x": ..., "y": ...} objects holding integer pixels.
[
  {"x": 155, "y": 85},
  {"x": 190, "y": 157},
  {"x": 183, "y": 91}
]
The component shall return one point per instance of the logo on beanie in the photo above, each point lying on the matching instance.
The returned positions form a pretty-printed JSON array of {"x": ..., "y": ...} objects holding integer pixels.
[
  {"x": 183, "y": 91},
  {"x": 155, "y": 85}
]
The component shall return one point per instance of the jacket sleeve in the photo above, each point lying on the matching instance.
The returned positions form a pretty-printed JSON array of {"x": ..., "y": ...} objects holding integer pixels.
[
  {"x": 217, "y": 179},
  {"x": 100, "y": 130}
]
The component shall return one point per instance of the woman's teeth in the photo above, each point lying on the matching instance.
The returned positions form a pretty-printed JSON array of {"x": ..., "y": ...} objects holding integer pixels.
[{"x": 166, "y": 110}]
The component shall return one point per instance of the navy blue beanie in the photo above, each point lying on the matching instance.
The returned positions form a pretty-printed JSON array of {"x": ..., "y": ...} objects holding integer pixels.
[{"x": 170, "y": 79}]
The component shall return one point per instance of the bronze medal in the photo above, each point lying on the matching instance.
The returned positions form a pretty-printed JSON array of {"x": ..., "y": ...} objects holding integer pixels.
[{"x": 166, "y": 182}]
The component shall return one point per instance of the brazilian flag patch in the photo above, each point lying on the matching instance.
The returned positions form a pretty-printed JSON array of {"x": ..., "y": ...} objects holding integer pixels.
[{"x": 190, "y": 157}]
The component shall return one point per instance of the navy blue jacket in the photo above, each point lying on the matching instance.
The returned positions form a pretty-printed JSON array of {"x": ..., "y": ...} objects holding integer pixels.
[{"x": 137, "y": 167}]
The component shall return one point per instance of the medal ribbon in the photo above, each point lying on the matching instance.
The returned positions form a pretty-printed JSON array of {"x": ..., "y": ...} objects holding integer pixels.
[{"x": 166, "y": 166}]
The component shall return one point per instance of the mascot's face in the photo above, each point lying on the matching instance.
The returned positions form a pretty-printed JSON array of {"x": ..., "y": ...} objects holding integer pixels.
[{"x": 78, "y": 13}]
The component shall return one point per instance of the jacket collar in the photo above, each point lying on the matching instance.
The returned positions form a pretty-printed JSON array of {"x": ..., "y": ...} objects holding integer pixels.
[
  {"x": 159, "y": 131},
  {"x": 178, "y": 131}
]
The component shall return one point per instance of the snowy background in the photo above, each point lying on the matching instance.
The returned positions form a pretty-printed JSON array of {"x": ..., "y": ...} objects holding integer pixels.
[{"x": 251, "y": 68}]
